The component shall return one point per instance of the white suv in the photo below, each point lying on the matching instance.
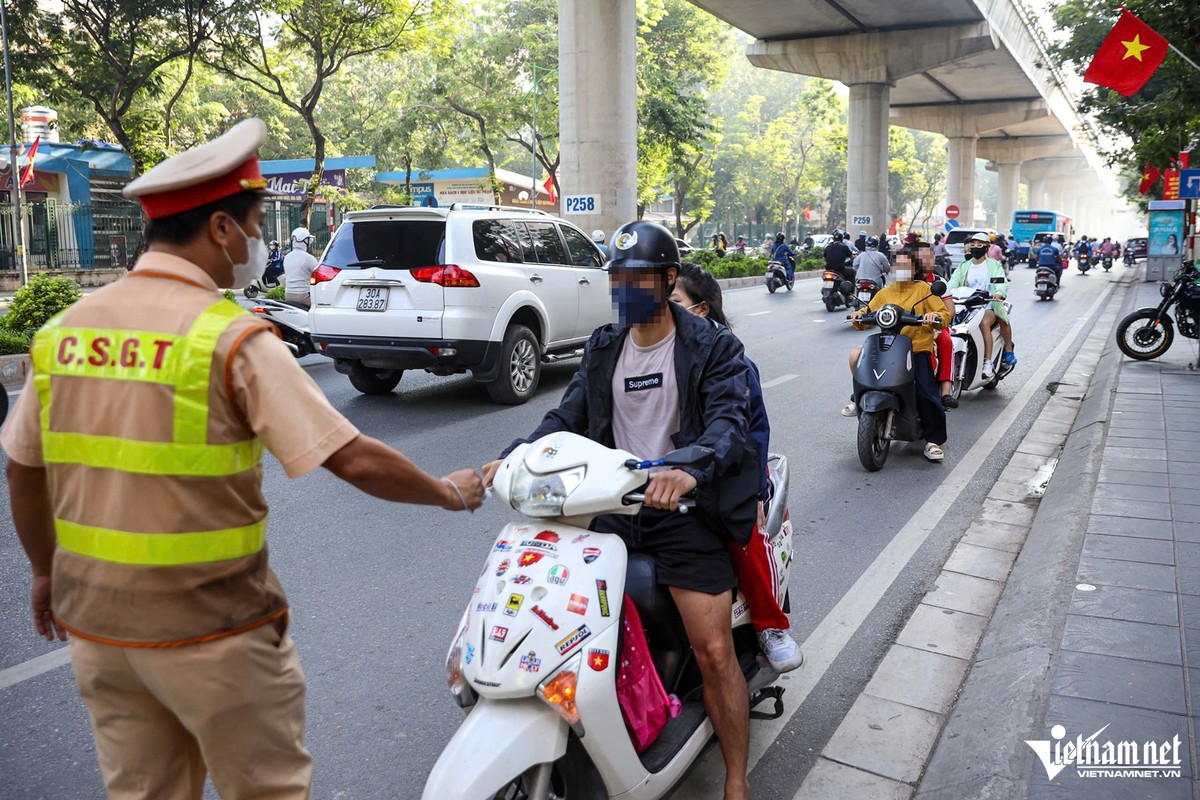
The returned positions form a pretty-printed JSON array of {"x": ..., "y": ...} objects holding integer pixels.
[{"x": 485, "y": 289}]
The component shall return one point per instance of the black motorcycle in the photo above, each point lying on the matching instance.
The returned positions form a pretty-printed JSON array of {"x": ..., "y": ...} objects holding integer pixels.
[
  {"x": 943, "y": 266},
  {"x": 777, "y": 278},
  {"x": 1084, "y": 262},
  {"x": 1013, "y": 258},
  {"x": 837, "y": 290},
  {"x": 885, "y": 386},
  {"x": 1148, "y": 332}
]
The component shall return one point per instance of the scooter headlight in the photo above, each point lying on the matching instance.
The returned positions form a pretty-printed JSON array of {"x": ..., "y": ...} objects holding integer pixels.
[
  {"x": 537, "y": 495},
  {"x": 462, "y": 692},
  {"x": 886, "y": 317},
  {"x": 558, "y": 692}
]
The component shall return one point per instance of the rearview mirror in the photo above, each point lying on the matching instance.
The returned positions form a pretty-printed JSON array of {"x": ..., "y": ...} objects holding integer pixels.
[
  {"x": 938, "y": 287},
  {"x": 691, "y": 456}
]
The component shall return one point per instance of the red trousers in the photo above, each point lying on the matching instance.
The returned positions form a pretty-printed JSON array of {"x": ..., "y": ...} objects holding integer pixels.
[
  {"x": 758, "y": 578},
  {"x": 943, "y": 365}
]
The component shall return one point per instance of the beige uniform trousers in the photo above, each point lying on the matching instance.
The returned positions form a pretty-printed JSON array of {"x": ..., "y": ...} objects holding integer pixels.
[
  {"x": 163, "y": 717},
  {"x": 298, "y": 297}
]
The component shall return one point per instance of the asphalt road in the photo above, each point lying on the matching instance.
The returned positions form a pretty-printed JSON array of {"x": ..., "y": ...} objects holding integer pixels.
[{"x": 376, "y": 589}]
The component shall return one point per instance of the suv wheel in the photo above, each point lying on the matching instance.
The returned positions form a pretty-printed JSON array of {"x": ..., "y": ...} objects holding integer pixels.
[
  {"x": 520, "y": 367},
  {"x": 374, "y": 381}
]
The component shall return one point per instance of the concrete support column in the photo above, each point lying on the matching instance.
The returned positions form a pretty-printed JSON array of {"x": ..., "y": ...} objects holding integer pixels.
[
  {"x": 1037, "y": 192},
  {"x": 867, "y": 158},
  {"x": 960, "y": 176},
  {"x": 1007, "y": 194},
  {"x": 597, "y": 69}
]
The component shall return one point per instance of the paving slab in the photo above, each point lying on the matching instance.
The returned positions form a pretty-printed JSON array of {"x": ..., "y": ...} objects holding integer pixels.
[
  {"x": 1129, "y": 548},
  {"x": 1039, "y": 449},
  {"x": 829, "y": 780},
  {"x": 1125, "y": 526},
  {"x": 1129, "y": 682},
  {"x": 885, "y": 737},
  {"x": 918, "y": 678},
  {"x": 1132, "y": 491},
  {"x": 1134, "y": 605},
  {"x": 1112, "y": 463},
  {"x": 1142, "y": 509},
  {"x": 1116, "y": 637},
  {"x": 1136, "y": 575},
  {"x": 942, "y": 630},
  {"x": 1008, "y": 512},
  {"x": 982, "y": 562},
  {"x": 997, "y": 535},
  {"x": 1008, "y": 490},
  {"x": 967, "y": 593},
  {"x": 1133, "y": 478}
]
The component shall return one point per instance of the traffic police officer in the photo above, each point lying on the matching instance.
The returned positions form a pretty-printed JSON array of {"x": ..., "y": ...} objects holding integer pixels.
[{"x": 136, "y": 483}]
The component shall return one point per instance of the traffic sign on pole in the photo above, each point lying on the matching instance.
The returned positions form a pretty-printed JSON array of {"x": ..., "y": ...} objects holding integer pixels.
[
  {"x": 952, "y": 212},
  {"x": 951, "y": 224},
  {"x": 1189, "y": 183}
]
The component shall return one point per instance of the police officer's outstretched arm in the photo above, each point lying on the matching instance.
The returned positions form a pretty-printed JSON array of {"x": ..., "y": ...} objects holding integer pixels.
[{"x": 378, "y": 470}]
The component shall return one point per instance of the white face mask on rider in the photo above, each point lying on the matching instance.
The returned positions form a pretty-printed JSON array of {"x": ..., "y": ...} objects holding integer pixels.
[
  {"x": 903, "y": 275},
  {"x": 255, "y": 263}
]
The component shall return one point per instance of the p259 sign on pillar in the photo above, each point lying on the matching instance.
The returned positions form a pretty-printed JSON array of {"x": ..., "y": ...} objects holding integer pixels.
[{"x": 581, "y": 204}]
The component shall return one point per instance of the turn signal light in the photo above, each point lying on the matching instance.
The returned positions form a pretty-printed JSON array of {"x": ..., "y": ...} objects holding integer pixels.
[
  {"x": 558, "y": 691},
  {"x": 446, "y": 275},
  {"x": 322, "y": 273},
  {"x": 830, "y": 276}
]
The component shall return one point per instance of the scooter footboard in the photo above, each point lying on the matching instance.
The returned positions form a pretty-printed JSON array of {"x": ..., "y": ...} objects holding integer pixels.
[{"x": 497, "y": 741}]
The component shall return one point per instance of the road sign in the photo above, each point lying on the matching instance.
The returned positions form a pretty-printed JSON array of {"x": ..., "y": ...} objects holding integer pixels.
[
  {"x": 951, "y": 224},
  {"x": 952, "y": 212},
  {"x": 862, "y": 219},
  {"x": 581, "y": 204},
  {"x": 1189, "y": 183}
]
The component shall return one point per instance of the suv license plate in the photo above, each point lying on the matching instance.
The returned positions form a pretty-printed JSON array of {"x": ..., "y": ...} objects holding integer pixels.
[{"x": 373, "y": 298}]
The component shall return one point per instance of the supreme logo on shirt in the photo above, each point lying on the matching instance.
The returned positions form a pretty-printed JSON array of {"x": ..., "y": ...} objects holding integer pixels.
[{"x": 644, "y": 382}]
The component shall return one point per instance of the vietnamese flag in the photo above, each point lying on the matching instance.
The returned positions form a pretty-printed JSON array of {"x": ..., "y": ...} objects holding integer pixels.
[
  {"x": 1128, "y": 57},
  {"x": 808, "y": 213},
  {"x": 27, "y": 176},
  {"x": 549, "y": 187},
  {"x": 1150, "y": 176}
]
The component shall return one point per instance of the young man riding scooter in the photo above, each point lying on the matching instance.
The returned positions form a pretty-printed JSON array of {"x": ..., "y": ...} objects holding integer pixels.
[
  {"x": 981, "y": 272},
  {"x": 660, "y": 379},
  {"x": 913, "y": 294}
]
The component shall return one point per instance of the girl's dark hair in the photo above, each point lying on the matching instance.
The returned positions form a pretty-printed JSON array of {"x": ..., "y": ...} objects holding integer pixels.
[{"x": 699, "y": 284}]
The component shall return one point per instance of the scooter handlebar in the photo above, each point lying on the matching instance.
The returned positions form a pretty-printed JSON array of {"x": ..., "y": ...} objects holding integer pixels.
[{"x": 640, "y": 497}]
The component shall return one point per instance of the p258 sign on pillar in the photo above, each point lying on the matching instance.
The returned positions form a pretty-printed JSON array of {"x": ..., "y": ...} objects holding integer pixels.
[{"x": 581, "y": 204}]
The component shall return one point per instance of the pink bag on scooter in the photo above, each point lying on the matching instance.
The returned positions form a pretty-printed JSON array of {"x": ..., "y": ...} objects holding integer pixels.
[{"x": 645, "y": 704}]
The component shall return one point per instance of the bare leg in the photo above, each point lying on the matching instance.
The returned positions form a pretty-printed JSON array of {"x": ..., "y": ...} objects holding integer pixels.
[
  {"x": 1006, "y": 332},
  {"x": 854, "y": 354},
  {"x": 989, "y": 319},
  {"x": 706, "y": 619}
]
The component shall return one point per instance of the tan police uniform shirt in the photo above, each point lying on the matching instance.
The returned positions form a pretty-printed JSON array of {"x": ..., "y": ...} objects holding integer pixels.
[{"x": 272, "y": 395}]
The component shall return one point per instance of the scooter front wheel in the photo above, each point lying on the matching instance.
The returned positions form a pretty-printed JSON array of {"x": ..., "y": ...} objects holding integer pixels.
[
  {"x": 572, "y": 777},
  {"x": 873, "y": 444},
  {"x": 250, "y": 292}
]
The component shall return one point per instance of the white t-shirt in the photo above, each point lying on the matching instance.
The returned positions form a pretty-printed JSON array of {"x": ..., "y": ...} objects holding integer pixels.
[
  {"x": 298, "y": 266},
  {"x": 978, "y": 276},
  {"x": 645, "y": 398}
]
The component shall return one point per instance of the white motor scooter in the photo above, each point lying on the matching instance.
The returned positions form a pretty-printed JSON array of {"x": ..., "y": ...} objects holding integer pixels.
[
  {"x": 535, "y": 660},
  {"x": 292, "y": 321},
  {"x": 970, "y": 306}
]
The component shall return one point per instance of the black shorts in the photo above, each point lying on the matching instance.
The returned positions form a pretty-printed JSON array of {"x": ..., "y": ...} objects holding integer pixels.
[{"x": 688, "y": 554}]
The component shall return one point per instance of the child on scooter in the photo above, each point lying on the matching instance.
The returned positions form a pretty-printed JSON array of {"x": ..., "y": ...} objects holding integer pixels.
[{"x": 915, "y": 296}]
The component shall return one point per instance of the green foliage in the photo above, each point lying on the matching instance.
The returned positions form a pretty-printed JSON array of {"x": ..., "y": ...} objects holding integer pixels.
[
  {"x": 38, "y": 301},
  {"x": 14, "y": 343},
  {"x": 1159, "y": 121},
  {"x": 276, "y": 294},
  {"x": 228, "y": 295}
]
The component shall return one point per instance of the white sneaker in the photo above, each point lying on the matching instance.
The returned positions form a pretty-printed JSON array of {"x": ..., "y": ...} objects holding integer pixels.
[
  {"x": 782, "y": 652},
  {"x": 850, "y": 409},
  {"x": 989, "y": 369}
]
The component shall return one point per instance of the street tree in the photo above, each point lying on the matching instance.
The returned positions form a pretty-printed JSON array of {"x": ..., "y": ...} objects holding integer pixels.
[{"x": 290, "y": 49}]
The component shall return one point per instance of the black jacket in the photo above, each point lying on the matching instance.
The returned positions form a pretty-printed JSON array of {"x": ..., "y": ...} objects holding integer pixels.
[{"x": 714, "y": 410}]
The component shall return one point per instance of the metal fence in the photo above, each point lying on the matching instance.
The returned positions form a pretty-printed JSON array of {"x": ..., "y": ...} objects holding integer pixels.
[{"x": 108, "y": 235}]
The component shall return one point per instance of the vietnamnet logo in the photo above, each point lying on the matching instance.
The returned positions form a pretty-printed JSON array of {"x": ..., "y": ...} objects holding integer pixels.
[{"x": 1093, "y": 759}]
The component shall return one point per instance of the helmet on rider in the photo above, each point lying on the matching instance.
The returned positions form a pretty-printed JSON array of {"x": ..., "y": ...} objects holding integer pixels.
[
  {"x": 779, "y": 238},
  {"x": 640, "y": 251},
  {"x": 301, "y": 238},
  {"x": 838, "y": 235},
  {"x": 862, "y": 233},
  {"x": 872, "y": 242},
  {"x": 598, "y": 236}
]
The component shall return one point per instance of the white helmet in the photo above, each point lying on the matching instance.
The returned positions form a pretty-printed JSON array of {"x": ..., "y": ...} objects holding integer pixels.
[
  {"x": 598, "y": 236},
  {"x": 301, "y": 237}
]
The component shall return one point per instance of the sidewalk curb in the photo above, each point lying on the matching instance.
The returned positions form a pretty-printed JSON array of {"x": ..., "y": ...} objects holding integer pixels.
[
  {"x": 979, "y": 753},
  {"x": 758, "y": 280}
]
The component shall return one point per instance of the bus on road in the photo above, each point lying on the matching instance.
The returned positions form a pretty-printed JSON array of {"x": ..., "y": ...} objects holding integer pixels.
[{"x": 1026, "y": 224}]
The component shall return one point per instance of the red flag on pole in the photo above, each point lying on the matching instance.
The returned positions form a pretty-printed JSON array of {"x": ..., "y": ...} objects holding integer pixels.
[
  {"x": 27, "y": 176},
  {"x": 549, "y": 187},
  {"x": 808, "y": 213},
  {"x": 1150, "y": 176},
  {"x": 1128, "y": 57}
]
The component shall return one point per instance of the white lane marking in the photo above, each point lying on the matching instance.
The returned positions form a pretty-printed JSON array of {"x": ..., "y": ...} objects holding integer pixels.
[
  {"x": 818, "y": 320},
  {"x": 758, "y": 313},
  {"x": 830, "y": 637},
  {"x": 779, "y": 380},
  {"x": 35, "y": 666}
]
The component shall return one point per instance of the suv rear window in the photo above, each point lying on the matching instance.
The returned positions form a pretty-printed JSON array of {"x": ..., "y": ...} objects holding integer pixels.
[
  {"x": 583, "y": 252},
  {"x": 546, "y": 244},
  {"x": 388, "y": 244},
  {"x": 960, "y": 235}
]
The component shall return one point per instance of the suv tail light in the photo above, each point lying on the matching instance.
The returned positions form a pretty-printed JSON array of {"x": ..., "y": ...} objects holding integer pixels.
[
  {"x": 446, "y": 275},
  {"x": 322, "y": 273}
]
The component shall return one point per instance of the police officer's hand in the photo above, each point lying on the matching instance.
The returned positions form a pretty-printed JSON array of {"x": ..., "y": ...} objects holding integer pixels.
[
  {"x": 666, "y": 488},
  {"x": 43, "y": 615},
  {"x": 470, "y": 491}
]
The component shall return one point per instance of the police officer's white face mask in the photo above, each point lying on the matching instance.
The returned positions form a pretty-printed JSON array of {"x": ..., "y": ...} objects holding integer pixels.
[{"x": 253, "y": 266}]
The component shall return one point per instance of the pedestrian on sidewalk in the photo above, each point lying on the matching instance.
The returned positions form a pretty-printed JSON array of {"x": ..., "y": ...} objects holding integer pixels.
[{"x": 136, "y": 484}]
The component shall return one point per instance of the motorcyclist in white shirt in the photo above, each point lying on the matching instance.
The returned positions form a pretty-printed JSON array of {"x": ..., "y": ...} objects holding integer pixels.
[{"x": 298, "y": 266}]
